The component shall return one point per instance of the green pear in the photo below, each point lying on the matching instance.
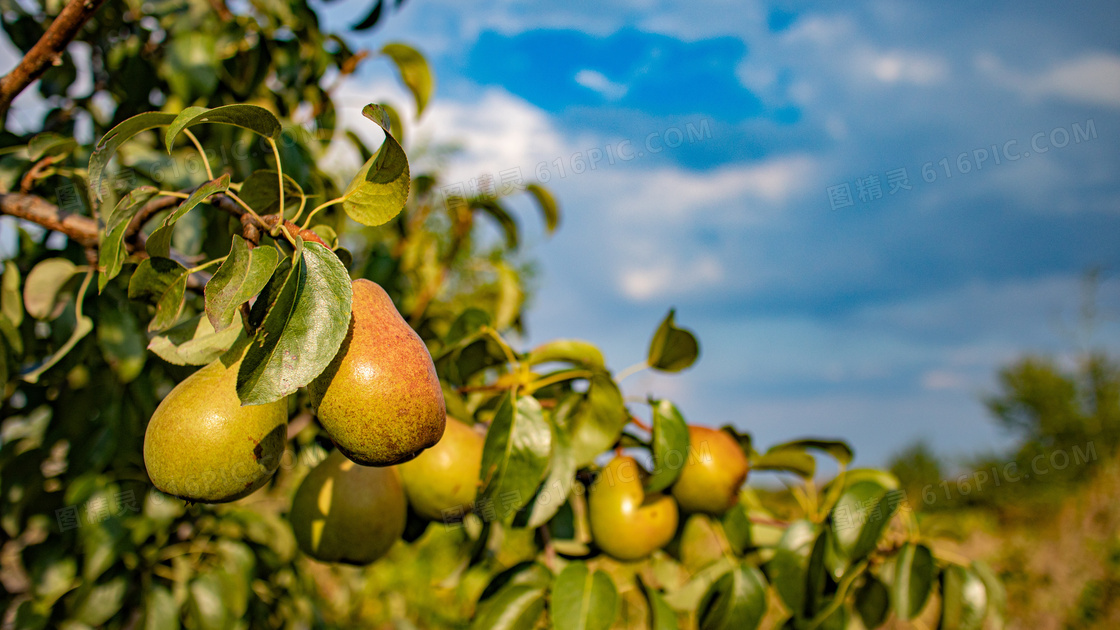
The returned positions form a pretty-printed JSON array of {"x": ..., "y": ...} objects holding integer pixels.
[
  {"x": 202, "y": 445},
  {"x": 345, "y": 512},
  {"x": 626, "y": 522},
  {"x": 711, "y": 477},
  {"x": 379, "y": 399},
  {"x": 445, "y": 477}
]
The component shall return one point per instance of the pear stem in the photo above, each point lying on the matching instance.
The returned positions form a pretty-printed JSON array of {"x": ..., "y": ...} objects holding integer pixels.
[
  {"x": 201, "y": 153},
  {"x": 630, "y": 371}
]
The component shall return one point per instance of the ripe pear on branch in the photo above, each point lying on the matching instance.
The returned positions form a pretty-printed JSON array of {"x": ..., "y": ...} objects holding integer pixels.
[
  {"x": 711, "y": 477},
  {"x": 626, "y": 522},
  {"x": 380, "y": 399},
  {"x": 445, "y": 477}
]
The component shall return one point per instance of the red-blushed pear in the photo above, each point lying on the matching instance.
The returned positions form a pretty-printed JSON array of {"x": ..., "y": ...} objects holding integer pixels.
[
  {"x": 345, "y": 512},
  {"x": 203, "y": 446},
  {"x": 379, "y": 399},
  {"x": 711, "y": 477},
  {"x": 445, "y": 477},
  {"x": 626, "y": 522}
]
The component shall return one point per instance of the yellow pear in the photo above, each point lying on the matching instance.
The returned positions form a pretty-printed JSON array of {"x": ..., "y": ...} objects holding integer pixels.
[
  {"x": 202, "y": 445},
  {"x": 626, "y": 522},
  {"x": 445, "y": 477},
  {"x": 711, "y": 477},
  {"x": 345, "y": 512},
  {"x": 380, "y": 399}
]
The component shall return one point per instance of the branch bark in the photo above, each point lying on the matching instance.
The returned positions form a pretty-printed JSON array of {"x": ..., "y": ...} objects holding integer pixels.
[
  {"x": 40, "y": 211},
  {"x": 47, "y": 51}
]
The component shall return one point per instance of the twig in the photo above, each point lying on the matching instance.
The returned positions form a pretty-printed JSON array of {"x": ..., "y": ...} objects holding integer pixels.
[
  {"x": 47, "y": 51},
  {"x": 36, "y": 172}
]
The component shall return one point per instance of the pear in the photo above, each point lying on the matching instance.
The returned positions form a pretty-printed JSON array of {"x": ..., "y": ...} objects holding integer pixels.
[
  {"x": 445, "y": 477},
  {"x": 626, "y": 522},
  {"x": 379, "y": 399},
  {"x": 203, "y": 446},
  {"x": 344, "y": 512},
  {"x": 711, "y": 477}
]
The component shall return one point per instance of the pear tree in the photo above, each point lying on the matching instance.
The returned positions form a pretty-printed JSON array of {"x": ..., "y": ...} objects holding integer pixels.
[{"x": 242, "y": 389}]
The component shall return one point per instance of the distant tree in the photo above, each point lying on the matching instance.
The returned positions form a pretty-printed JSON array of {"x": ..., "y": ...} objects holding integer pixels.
[{"x": 917, "y": 466}]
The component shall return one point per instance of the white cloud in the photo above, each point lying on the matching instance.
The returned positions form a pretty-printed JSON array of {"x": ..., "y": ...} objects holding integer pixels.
[
  {"x": 669, "y": 276},
  {"x": 1093, "y": 78},
  {"x": 594, "y": 80}
]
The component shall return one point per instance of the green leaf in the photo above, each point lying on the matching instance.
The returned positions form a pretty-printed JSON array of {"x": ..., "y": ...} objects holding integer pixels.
[
  {"x": 251, "y": 117},
  {"x": 788, "y": 568},
  {"x": 737, "y": 528},
  {"x": 83, "y": 328},
  {"x": 526, "y": 573},
  {"x": 43, "y": 285},
  {"x": 913, "y": 580},
  {"x": 467, "y": 327},
  {"x": 514, "y": 456},
  {"x": 159, "y": 243},
  {"x": 305, "y": 315},
  {"x": 598, "y": 423},
  {"x": 736, "y": 601},
  {"x": 11, "y": 334},
  {"x": 327, "y": 233},
  {"x": 672, "y": 349},
  {"x": 583, "y": 600},
  {"x": 111, "y": 252},
  {"x": 964, "y": 599},
  {"x": 194, "y": 342},
  {"x": 557, "y": 485},
  {"x": 518, "y": 607},
  {"x": 414, "y": 71},
  {"x": 670, "y": 446},
  {"x": 11, "y": 303},
  {"x": 996, "y": 594},
  {"x": 662, "y": 617},
  {"x": 793, "y": 460},
  {"x": 859, "y": 518},
  {"x": 207, "y": 604},
  {"x": 505, "y": 220},
  {"x": 161, "y": 612},
  {"x": 48, "y": 144},
  {"x": 261, "y": 192},
  {"x": 163, "y": 282},
  {"x": 395, "y": 126},
  {"x": 549, "y": 208},
  {"x": 122, "y": 342},
  {"x": 243, "y": 274},
  {"x": 872, "y": 602},
  {"x": 102, "y": 602},
  {"x": 380, "y": 189},
  {"x": 105, "y": 148},
  {"x": 568, "y": 351},
  {"x": 840, "y": 451}
]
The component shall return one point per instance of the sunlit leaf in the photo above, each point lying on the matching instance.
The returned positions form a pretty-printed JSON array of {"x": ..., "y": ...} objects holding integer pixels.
[
  {"x": 583, "y": 600},
  {"x": 547, "y": 203},
  {"x": 243, "y": 274},
  {"x": 252, "y": 117},
  {"x": 670, "y": 446},
  {"x": 514, "y": 456},
  {"x": 568, "y": 351},
  {"x": 598, "y": 423},
  {"x": 662, "y": 617},
  {"x": 414, "y": 71},
  {"x": 380, "y": 189},
  {"x": 737, "y": 601},
  {"x": 111, "y": 252},
  {"x": 859, "y": 518},
  {"x": 193, "y": 342},
  {"x": 49, "y": 144},
  {"x": 44, "y": 283},
  {"x": 105, "y": 148},
  {"x": 558, "y": 484}
]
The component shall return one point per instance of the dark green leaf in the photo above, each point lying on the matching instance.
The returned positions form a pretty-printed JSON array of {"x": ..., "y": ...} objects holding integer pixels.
[
  {"x": 737, "y": 601},
  {"x": 514, "y": 456},
  {"x": 251, "y": 117},
  {"x": 516, "y": 608},
  {"x": 111, "y": 253},
  {"x": 467, "y": 326},
  {"x": 11, "y": 303},
  {"x": 47, "y": 144},
  {"x": 582, "y": 600},
  {"x": 859, "y": 518},
  {"x": 243, "y": 274},
  {"x": 672, "y": 349},
  {"x": 194, "y": 342},
  {"x": 105, "y": 148},
  {"x": 662, "y": 617},
  {"x": 549, "y": 208},
  {"x": 913, "y": 580},
  {"x": 122, "y": 342},
  {"x": 163, "y": 282},
  {"x": 305, "y": 314},
  {"x": 414, "y": 72},
  {"x": 569, "y": 351},
  {"x": 793, "y": 460},
  {"x": 161, "y": 612},
  {"x": 380, "y": 189},
  {"x": 527, "y": 573},
  {"x": 43, "y": 285},
  {"x": 159, "y": 243},
  {"x": 598, "y": 423},
  {"x": 737, "y": 528},
  {"x": 670, "y": 446},
  {"x": 964, "y": 599},
  {"x": 11, "y": 334},
  {"x": 504, "y": 219},
  {"x": 873, "y": 602},
  {"x": 102, "y": 602},
  {"x": 371, "y": 18},
  {"x": 396, "y": 127},
  {"x": 789, "y": 565},
  {"x": 83, "y": 328},
  {"x": 840, "y": 451},
  {"x": 261, "y": 192}
]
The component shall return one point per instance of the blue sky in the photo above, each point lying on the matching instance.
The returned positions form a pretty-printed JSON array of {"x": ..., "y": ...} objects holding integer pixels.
[{"x": 882, "y": 321}]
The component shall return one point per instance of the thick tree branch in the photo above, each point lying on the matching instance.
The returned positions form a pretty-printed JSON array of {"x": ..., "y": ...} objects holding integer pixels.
[
  {"x": 47, "y": 51},
  {"x": 40, "y": 211}
]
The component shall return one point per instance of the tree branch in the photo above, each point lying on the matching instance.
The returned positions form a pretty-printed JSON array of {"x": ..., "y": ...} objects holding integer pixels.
[
  {"x": 47, "y": 51},
  {"x": 40, "y": 211}
]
